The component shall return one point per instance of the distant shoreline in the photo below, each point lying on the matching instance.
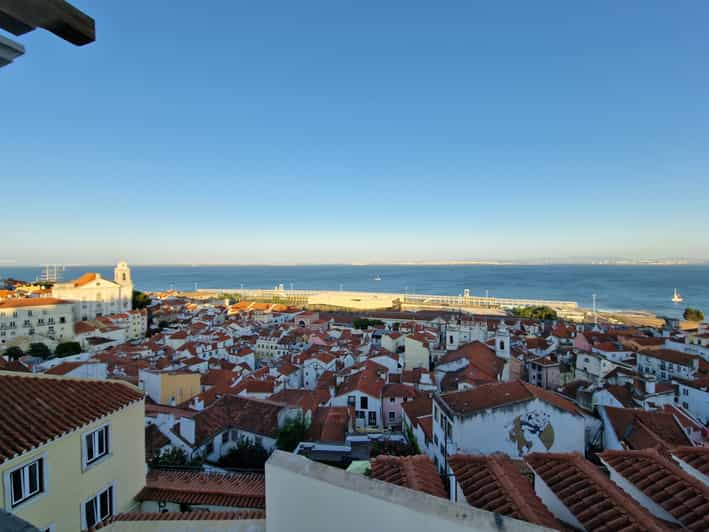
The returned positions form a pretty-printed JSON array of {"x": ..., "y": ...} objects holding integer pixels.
[{"x": 373, "y": 264}]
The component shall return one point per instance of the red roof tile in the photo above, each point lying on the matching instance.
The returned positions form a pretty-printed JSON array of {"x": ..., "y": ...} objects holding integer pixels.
[
  {"x": 499, "y": 394},
  {"x": 589, "y": 495},
  {"x": 237, "y": 490},
  {"x": 190, "y": 516},
  {"x": 252, "y": 415},
  {"x": 64, "y": 368},
  {"x": 697, "y": 457},
  {"x": 32, "y": 302},
  {"x": 37, "y": 409},
  {"x": 414, "y": 472},
  {"x": 640, "y": 429},
  {"x": 680, "y": 494},
  {"x": 329, "y": 424},
  {"x": 494, "y": 483}
]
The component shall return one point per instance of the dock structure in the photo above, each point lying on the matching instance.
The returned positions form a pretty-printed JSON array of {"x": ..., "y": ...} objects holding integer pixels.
[{"x": 382, "y": 300}]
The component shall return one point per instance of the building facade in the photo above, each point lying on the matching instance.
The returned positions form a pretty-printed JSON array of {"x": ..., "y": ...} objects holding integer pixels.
[
  {"x": 93, "y": 296},
  {"x": 84, "y": 466},
  {"x": 29, "y": 317}
]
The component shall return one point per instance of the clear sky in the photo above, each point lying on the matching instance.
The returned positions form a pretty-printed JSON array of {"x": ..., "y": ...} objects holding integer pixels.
[{"x": 338, "y": 131}]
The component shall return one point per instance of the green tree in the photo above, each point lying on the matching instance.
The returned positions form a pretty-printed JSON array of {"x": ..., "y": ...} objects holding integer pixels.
[
  {"x": 14, "y": 353},
  {"x": 173, "y": 457},
  {"x": 140, "y": 300},
  {"x": 246, "y": 455},
  {"x": 535, "y": 313},
  {"x": 293, "y": 431},
  {"x": 66, "y": 349},
  {"x": 693, "y": 314},
  {"x": 38, "y": 349},
  {"x": 364, "y": 323}
]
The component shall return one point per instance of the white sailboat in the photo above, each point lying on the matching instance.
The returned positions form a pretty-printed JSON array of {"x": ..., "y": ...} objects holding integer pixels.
[
  {"x": 676, "y": 297},
  {"x": 378, "y": 278}
]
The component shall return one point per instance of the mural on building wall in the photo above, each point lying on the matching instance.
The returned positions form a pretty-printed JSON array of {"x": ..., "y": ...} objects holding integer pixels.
[{"x": 526, "y": 428}]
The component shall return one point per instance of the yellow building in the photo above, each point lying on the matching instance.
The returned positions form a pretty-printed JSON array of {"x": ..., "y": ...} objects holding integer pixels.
[
  {"x": 169, "y": 387},
  {"x": 72, "y": 451}
]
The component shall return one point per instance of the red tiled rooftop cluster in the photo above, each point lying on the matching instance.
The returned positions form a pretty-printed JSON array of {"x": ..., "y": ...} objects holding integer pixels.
[{"x": 414, "y": 472}]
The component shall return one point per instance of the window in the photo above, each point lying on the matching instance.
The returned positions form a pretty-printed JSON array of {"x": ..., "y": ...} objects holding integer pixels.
[
  {"x": 685, "y": 405},
  {"x": 96, "y": 445},
  {"x": 391, "y": 399},
  {"x": 225, "y": 437},
  {"x": 25, "y": 482},
  {"x": 372, "y": 418},
  {"x": 392, "y": 416},
  {"x": 364, "y": 403},
  {"x": 98, "y": 508}
]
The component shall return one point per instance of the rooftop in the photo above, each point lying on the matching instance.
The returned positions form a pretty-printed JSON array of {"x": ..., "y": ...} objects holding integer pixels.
[
  {"x": 495, "y": 484},
  {"x": 590, "y": 496},
  {"x": 237, "y": 490},
  {"x": 414, "y": 472},
  {"x": 38, "y": 409},
  {"x": 683, "y": 496}
]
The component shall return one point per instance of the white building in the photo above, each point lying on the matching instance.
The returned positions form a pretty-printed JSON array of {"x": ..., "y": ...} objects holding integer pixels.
[
  {"x": 694, "y": 397},
  {"x": 46, "y": 317},
  {"x": 514, "y": 418},
  {"x": 94, "y": 296},
  {"x": 667, "y": 364}
]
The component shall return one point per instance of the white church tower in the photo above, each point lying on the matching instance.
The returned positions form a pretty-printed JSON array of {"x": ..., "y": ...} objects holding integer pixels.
[
  {"x": 502, "y": 341},
  {"x": 121, "y": 276}
]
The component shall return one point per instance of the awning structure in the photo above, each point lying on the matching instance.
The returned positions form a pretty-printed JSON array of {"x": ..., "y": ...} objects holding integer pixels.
[{"x": 57, "y": 16}]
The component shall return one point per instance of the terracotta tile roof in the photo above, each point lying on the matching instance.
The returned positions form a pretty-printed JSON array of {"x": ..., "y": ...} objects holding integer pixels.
[
  {"x": 38, "y": 409},
  {"x": 252, "y": 415},
  {"x": 236, "y": 490},
  {"x": 329, "y": 424},
  {"x": 495, "y": 484},
  {"x": 301, "y": 398},
  {"x": 64, "y": 368},
  {"x": 589, "y": 495},
  {"x": 395, "y": 389},
  {"x": 366, "y": 382},
  {"x": 32, "y": 302},
  {"x": 681, "y": 495},
  {"x": 414, "y": 472},
  {"x": 640, "y": 429},
  {"x": 417, "y": 408},
  {"x": 154, "y": 441},
  {"x": 498, "y": 394},
  {"x": 189, "y": 516},
  {"x": 84, "y": 279},
  {"x": 670, "y": 355},
  {"x": 697, "y": 457}
]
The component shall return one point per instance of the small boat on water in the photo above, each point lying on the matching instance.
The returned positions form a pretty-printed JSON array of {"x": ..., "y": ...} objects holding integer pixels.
[
  {"x": 676, "y": 297},
  {"x": 378, "y": 278}
]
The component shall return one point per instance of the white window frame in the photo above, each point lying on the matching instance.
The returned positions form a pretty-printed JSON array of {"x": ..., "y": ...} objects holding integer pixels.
[
  {"x": 85, "y": 463},
  {"x": 7, "y": 482},
  {"x": 112, "y": 486}
]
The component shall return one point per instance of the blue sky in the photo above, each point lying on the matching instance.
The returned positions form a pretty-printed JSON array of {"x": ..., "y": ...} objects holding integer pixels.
[{"x": 365, "y": 131}]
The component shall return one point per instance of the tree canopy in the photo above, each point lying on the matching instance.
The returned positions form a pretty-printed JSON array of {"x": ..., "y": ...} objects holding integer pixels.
[
  {"x": 140, "y": 300},
  {"x": 66, "y": 349},
  {"x": 693, "y": 314},
  {"x": 293, "y": 431},
  {"x": 14, "y": 353},
  {"x": 245, "y": 455},
  {"x": 365, "y": 323},
  {"x": 535, "y": 313},
  {"x": 38, "y": 349}
]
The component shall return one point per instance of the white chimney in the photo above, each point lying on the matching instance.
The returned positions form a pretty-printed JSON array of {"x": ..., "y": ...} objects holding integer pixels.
[{"x": 649, "y": 384}]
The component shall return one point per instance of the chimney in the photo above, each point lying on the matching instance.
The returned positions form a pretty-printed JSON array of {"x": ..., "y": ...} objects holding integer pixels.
[{"x": 649, "y": 384}]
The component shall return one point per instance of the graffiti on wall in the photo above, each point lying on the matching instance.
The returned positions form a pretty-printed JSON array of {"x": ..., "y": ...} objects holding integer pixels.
[{"x": 525, "y": 429}]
